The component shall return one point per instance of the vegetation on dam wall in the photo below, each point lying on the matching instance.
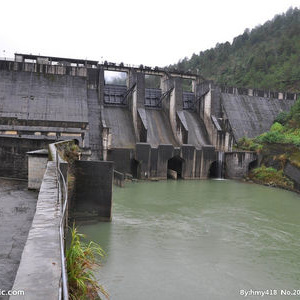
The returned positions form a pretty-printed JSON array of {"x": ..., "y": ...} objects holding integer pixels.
[
  {"x": 81, "y": 259},
  {"x": 276, "y": 147},
  {"x": 271, "y": 176}
]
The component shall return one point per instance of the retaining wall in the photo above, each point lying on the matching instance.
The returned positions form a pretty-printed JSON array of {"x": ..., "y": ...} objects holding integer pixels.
[{"x": 237, "y": 163}]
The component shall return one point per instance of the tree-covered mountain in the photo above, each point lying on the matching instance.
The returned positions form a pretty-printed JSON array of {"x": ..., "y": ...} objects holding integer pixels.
[{"x": 266, "y": 57}]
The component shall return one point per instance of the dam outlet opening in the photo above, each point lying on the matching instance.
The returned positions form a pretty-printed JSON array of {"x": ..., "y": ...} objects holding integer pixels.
[
  {"x": 175, "y": 165},
  {"x": 217, "y": 170}
]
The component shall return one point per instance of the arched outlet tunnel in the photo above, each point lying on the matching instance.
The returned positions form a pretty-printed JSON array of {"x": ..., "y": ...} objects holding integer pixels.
[
  {"x": 217, "y": 169},
  {"x": 135, "y": 169},
  {"x": 175, "y": 164}
]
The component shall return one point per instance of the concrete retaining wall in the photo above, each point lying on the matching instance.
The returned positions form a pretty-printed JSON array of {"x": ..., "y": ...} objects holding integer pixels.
[
  {"x": 93, "y": 190},
  {"x": 293, "y": 173},
  {"x": 237, "y": 163}
]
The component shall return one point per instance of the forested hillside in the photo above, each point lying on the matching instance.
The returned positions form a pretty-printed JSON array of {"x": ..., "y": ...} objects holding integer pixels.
[{"x": 266, "y": 57}]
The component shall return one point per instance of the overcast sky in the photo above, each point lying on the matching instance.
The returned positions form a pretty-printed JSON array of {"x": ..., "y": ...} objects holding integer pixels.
[{"x": 149, "y": 32}]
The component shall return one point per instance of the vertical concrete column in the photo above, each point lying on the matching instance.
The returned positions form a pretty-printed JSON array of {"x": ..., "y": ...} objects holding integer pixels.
[
  {"x": 166, "y": 83},
  {"x": 208, "y": 157},
  {"x": 207, "y": 110},
  {"x": 104, "y": 131},
  {"x": 173, "y": 104},
  {"x": 178, "y": 93},
  {"x": 140, "y": 89},
  {"x": 143, "y": 156},
  {"x": 188, "y": 153},
  {"x": 133, "y": 100},
  {"x": 198, "y": 157},
  {"x": 137, "y": 102},
  {"x": 101, "y": 84},
  {"x": 165, "y": 152}
]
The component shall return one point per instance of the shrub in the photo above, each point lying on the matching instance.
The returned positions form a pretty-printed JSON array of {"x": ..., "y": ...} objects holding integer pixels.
[
  {"x": 71, "y": 153},
  {"x": 81, "y": 259},
  {"x": 270, "y": 176},
  {"x": 248, "y": 144},
  {"x": 295, "y": 112},
  {"x": 282, "y": 118},
  {"x": 271, "y": 137},
  {"x": 277, "y": 127}
]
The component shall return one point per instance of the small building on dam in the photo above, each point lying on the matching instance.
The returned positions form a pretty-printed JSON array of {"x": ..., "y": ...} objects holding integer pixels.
[{"x": 180, "y": 126}]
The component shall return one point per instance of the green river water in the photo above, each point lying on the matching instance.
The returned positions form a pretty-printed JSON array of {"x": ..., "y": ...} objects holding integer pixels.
[{"x": 205, "y": 239}]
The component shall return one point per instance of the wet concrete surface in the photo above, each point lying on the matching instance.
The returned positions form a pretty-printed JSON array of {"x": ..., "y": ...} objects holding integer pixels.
[{"x": 17, "y": 208}]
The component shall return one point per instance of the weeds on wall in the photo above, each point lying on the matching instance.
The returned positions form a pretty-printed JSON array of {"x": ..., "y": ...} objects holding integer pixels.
[
  {"x": 70, "y": 153},
  {"x": 82, "y": 259},
  {"x": 271, "y": 176}
]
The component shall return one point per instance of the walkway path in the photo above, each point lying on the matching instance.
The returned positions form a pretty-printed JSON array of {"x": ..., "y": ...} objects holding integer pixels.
[{"x": 17, "y": 208}]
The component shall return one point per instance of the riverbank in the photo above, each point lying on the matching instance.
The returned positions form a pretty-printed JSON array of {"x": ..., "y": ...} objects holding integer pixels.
[{"x": 17, "y": 208}]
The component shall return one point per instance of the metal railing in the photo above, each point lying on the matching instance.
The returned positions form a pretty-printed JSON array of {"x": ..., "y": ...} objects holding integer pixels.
[{"x": 63, "y": 200}]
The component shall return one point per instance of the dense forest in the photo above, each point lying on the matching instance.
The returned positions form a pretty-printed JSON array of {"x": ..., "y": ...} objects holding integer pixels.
[{"x": 266, "y": 57}]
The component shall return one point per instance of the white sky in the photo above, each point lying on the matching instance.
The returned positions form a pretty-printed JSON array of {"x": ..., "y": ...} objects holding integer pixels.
[{"x": 155, "y": 32}]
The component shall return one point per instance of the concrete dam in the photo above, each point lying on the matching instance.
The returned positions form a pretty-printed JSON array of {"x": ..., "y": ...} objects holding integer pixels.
[
  {"x": 127, "y": 129},
  {"x": 144, "y": 131}
]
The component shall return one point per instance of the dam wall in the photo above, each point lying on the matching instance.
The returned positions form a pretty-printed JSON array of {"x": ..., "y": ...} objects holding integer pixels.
[
  {"x": 56, "y": 99},
  {"x": 250, "y": 116}
]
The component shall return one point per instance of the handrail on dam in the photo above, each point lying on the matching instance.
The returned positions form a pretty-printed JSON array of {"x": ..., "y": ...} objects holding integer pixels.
[{"x": 63, "y": 199}]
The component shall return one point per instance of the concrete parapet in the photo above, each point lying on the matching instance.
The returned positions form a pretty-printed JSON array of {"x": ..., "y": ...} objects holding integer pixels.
[{"x": 259, "y": 93}]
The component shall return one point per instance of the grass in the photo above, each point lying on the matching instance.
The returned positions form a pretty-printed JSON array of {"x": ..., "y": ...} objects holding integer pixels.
[
  {"x": 81, "y": 259},
  {"x": 271, "y": 177}
]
